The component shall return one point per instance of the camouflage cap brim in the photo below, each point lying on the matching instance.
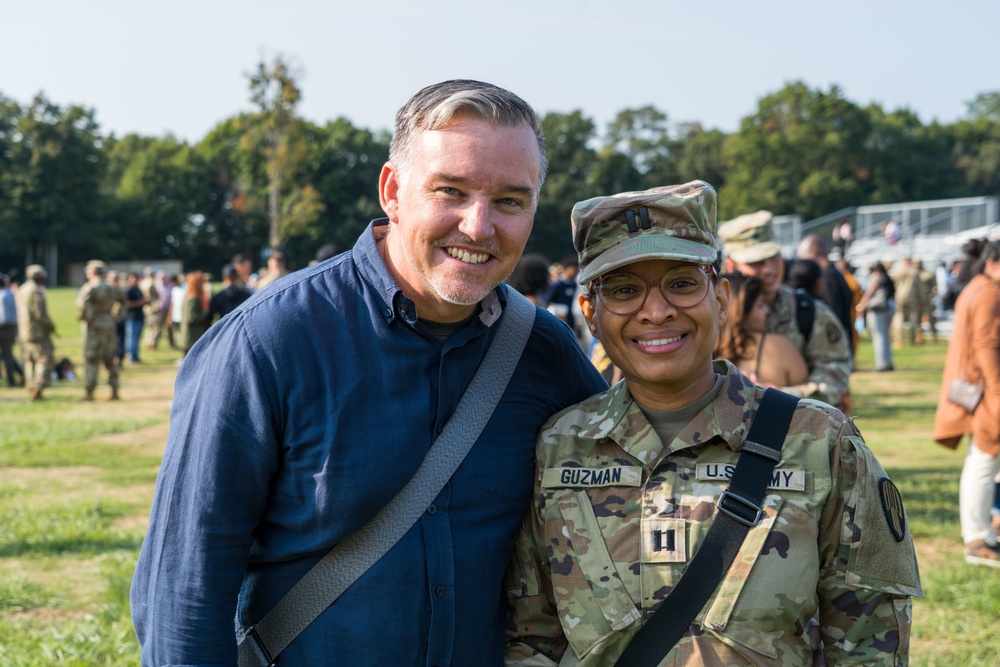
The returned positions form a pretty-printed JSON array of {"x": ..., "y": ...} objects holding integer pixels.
[
  {"x": 642, "y": 248},
  {"x": 754, "y": 253}
]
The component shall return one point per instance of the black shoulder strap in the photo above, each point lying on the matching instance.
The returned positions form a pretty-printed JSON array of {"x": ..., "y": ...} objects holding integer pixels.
[
  {"x": 805, "y": 313},
  {"x": 739, "y": 510}
]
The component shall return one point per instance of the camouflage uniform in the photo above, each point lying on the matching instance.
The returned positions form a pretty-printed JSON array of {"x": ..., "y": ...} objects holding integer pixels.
[
  {"x": 151, "y": 312},
  {"x": 97, "y": 302},
  {"x": 827, "y": 354},
  {"x": 906, "y": 321},
  {"x": 35, "y": 329},
  {"x": 586, "y": 567}
]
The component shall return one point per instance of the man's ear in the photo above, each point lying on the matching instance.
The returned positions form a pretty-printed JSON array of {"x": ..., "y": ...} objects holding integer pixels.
[{"x": 388, "y": 190}]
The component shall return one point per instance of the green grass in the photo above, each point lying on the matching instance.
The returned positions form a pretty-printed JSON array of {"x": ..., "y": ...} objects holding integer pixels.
[{"x": 76, "y": 481}]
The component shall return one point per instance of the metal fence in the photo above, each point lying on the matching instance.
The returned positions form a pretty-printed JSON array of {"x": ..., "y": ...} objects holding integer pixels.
[{"x": 942, "y": 217}]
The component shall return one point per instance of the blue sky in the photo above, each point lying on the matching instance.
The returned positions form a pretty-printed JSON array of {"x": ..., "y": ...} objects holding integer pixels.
[{"x": 179, "y": 67}]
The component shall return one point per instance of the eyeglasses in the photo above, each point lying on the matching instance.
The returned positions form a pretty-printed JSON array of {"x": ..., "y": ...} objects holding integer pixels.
[{"x": 683, "y": 287}]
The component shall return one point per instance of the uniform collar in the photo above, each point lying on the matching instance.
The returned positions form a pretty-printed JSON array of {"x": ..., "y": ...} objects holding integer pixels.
[{"x": 619, "y": 418}]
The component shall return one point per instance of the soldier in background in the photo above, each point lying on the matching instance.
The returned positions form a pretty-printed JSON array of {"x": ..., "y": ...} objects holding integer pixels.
[
  {"x": 35, "y": 329},
  {"x": 151, "y": 309},
  {"x": 928, "y": 297},
  {"x": 114, "y": 280},
  {"x": 277, "y": 267},
  {"x": 749, "y": 243},
  {"x": 906, "y": 322},
  {"x": 97, "y": 302}
]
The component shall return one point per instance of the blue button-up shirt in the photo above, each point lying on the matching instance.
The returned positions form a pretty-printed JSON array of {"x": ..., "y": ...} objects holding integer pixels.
[
  {"x": 8, "y": 308},
  {"x": 295, "y": 420}
]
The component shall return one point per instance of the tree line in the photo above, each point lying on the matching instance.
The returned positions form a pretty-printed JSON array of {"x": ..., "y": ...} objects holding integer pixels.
[{"x": 271, "y": 179}]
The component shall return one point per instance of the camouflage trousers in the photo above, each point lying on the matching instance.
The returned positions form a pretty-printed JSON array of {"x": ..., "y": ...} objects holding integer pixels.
[
  {"x": 152, "y": 330},
  {"x": 38, "y": 364},
  {"x": 99, "y": 348}
]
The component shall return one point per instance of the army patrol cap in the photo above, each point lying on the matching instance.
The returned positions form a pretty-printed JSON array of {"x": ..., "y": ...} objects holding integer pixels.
[
  {"x": 669, "y": 222},
  {"x": 36, "y": 271},
  {"x": 96, "y": 265},
  {"x": 750, "y": 238}
]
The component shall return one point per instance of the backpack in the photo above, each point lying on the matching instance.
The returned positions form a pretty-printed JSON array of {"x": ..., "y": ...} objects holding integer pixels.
[{"x": 805, "y": 313}]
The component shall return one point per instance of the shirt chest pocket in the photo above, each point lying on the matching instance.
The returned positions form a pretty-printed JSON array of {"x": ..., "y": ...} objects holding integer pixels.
[
  {"x": 594, "y": 607},
  {"x": 771, "y": 585}
]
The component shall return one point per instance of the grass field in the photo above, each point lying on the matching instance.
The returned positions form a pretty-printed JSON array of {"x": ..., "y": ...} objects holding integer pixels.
[{"x": 76, "y": 481}]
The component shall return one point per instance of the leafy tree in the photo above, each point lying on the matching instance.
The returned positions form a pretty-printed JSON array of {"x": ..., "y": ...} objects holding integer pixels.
[
  {"x": 345, "y": 163},
  {"x": 571, "y": 163},
  {"x": 977, "y": 145},
  {"x": 275, "y": 92},
  {"x": 909, "y": 161},
  {"x": 162, "y": 194},
  {"x": 231, "y": 224},
  {"x": 51, "y": 181},
  {"x": 643, "y": 136},
  {"x": 700, "y": 155},
  {"x": 10, "y": 114},
  {"x": 803, "y": 151}
]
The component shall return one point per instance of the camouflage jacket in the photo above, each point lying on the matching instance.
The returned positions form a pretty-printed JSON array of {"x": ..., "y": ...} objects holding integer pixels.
[
  {"x": 617, "y": 516},
  {"x": 97, "y": 303},
  {"x": 827, "y": 354},
  {"x": 33, "y": 322}
]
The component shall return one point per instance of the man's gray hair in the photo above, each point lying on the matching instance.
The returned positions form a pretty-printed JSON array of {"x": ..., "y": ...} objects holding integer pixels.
[{"x": 436, "y": 105}]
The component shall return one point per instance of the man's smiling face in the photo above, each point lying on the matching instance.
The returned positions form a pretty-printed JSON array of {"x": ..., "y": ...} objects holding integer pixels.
[{"x": 461, "y": 213}]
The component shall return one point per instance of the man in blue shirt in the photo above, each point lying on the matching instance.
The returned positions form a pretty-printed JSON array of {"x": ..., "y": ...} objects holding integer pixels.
[{"x": 305, "y": 411}]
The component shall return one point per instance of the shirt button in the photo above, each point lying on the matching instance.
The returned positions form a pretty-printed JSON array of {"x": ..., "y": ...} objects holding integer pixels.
[
  {"x": 402, "y": 311},
  {"x": 439, "y": 591},
  {"x": 432, "y": 509},
  {"x": 388, "y": 312}
]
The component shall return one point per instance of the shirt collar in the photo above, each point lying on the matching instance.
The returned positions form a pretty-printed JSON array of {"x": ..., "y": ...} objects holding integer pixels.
[{"x": 373, "y": 270}]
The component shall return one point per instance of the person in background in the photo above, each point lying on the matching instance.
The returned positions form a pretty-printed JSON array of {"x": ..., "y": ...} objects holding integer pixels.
[
  {"x": 114, "y": 279},
  {"x": 770, "y": 360},
  {"x": 906, "y": 322},
  {"x": 245, "y": 269},
  {"x": 35, "y": 329},
  {"x": 964, "y": 270},
  {"x": 974, "y": 356},
  {"x": 277, "y": 267},
  {"x": 847, "y": 270},
  {"x": 531, "y": 278},
  {"x": 836, "y": 292},
  {"x": 135, "y": 318},
  {"x": 627, "y": 482},
  {"x": 325, "y": 252},
  {"x": 928, "y": 298},
  {"x": 281, "y": 442},
  {"x": 8, "y": 333},
  {"x": 752, "y": 250},
  {"x": 805, "y": 275},
  {"x": 194, "y": 311},
  {"x": 563, "y": 292},
  {"x": 150, "y": 309},
  {"x": 230, "y": 296},
  {"x": 177, "y": 291},
  {"x": 877, "y": 305},
  {"x": 96, "y": 303}
]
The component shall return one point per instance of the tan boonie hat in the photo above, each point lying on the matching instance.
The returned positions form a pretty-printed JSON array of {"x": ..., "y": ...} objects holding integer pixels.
[
  {"x": 749, "y": 238},
  {"x": 36, "y": 271},
  {"x": 669, "y": 222},
  {"x": 96, "y": 265}
]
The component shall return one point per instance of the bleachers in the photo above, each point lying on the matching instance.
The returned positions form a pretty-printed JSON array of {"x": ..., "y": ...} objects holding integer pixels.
[{"x": 931, "y": 231}]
